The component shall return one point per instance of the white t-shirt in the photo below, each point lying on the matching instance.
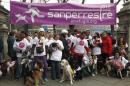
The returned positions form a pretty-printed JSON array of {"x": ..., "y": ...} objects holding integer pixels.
[
  {"x": 71, "y": 40},
  {"x": 80, "y": 45},
  {"x": 36, "y": 41},
  {"x": 49, "y": 42},
  {"x": 96, "y": 49},
  {"x": 123, "y": 61},
  {"x": 21, "y": 45},
  {"x": 57, "y": 54}
]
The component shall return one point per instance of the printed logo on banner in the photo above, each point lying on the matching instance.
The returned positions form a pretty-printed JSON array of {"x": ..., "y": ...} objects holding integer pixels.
[
  {"x": 30, "y": 13},
  {"x": 33, "y": 11}
]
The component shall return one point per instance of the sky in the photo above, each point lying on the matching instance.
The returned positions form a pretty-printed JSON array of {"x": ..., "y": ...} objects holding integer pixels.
[{"x": 6, "y": 3}]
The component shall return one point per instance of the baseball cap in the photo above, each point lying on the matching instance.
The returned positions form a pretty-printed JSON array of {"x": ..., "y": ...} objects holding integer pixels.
[{"x": 41, "y": 29}]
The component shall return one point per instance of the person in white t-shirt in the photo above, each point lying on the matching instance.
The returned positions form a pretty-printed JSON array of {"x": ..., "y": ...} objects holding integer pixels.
[
  {"x": 21, "y": 46},
  {"x": 39, "y": 51},
  {"x": 80, "y": 48},
  {"x": 96, "y": 45},
  {"x": 56, "y": 57}
]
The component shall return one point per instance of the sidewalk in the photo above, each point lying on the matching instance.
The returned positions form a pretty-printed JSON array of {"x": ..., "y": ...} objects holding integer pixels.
[{"x": 87, "y": 81}]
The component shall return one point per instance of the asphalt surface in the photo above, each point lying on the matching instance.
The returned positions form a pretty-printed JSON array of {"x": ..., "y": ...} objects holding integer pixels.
[{"x": 98, "y": 80}]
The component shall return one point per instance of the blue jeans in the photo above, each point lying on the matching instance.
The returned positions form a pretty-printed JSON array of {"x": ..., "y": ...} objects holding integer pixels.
[
  {"x": 18, "y": 68},
  {"x": 1, "y": 56},
  {"x": 55, "y": 69}
]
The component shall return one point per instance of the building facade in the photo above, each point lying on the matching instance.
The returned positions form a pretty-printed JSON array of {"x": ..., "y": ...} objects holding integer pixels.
[{"x": 124, "y": 23}]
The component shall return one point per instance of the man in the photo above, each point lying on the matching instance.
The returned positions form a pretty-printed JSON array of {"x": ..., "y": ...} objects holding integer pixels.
[
  {"x": 80, "y": 47},
  {"x": 1, "y": 49},
  {"x": 106, "y": 46},
  {"x": 10, "y": 42}
]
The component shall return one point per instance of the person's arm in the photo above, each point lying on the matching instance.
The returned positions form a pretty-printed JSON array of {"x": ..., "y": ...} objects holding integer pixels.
[
  {"x": 35, "y": 40},
  {"x": 109, "y": 46},
  {"x": 86, "y": 46},
  {"x": 15, "y": 47},
  {"x": 60, "y": 45}
]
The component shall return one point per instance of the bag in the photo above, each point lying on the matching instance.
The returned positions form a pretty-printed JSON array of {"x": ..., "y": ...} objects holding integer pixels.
[{"x": 39, "y": 49}]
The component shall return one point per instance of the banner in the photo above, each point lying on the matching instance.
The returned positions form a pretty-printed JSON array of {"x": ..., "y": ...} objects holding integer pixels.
[{"x": 62, "y": 13}]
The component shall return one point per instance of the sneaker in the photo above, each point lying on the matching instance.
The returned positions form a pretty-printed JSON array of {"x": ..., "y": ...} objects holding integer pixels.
[
  {"x": 93, "y": 74},
  {"x": 46, "y": 80}
]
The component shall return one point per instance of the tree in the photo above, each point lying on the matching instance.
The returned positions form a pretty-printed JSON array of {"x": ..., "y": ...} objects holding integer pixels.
[
  {"x": 83, "y": 1},
  {"x": 71, "y": 27},
  {"x": 45, "y": 1},
  {"x": 23, "y": 0},
  {"x": 112, "y": 1},
  {"x": 112, "y": 26},
  {"x": 62, "y": 1}
]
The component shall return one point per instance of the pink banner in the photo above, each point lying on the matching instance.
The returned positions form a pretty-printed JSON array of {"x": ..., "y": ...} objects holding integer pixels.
[{"x": 62, "y": 13}]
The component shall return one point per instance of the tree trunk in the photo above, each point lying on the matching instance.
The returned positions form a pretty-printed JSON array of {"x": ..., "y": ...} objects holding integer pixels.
[
  {"x": 112, "y": 26},
  {"x": 23, "y": 0},
  {"x": 118, "y": 2},
  {"x": 58, "y": 1},
  {"x": 54, "y": 28},
  {"x": 83, "y": 1},
  {"x": 31, "y": 1}
]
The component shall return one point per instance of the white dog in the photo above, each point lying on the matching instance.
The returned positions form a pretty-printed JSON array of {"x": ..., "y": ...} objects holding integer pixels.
[
  {"x": 21, "y": 18},
  {"x": 67, "y": 71}
]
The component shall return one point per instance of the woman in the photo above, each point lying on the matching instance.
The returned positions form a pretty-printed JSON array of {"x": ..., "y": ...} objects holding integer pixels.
[
  {"x": 10, "y": 42},
  {"x": 20, "y": 46},
  {"x": 56, "y": 56},
  {"x": 122, "y": 46},
  {"x": 97, "y": 44},
  {"x": 39, "y": 51}
]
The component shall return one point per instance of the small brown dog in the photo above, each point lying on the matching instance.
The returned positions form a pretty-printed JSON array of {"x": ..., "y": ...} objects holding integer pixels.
[{"x": 36, "y": 75}]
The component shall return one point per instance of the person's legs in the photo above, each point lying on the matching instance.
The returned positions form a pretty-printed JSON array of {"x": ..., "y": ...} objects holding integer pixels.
[
  {"x": 53, "y": 73},
  {"x": 1, "y": 56},
  {"x": 57, "y": 69},
  {"x": 77, "y": 67},
  {"x": 18, "y": 68},
  {"x": 80, "y": 65},
  {"x": 103, "y": 59},
  {"x": 45, "y": 67}
]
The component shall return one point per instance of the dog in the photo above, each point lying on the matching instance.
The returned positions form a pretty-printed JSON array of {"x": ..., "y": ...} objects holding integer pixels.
[
  {"x": 128, "y": 71},
  {"x": 67, "y": 71},
  {"x": 112, "y": 64},
  {"x": 127, "y": 67},
  {"x": 4, "y": 67},
  {"x": 11, "y": 68},
  {"x": 7, "y": 67},
  {"x": 35, "y": 76},
  {"x": 90, "y": 61}
]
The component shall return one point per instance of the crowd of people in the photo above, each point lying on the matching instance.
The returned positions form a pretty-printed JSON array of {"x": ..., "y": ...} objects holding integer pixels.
[{"x": 77, "y": 47}]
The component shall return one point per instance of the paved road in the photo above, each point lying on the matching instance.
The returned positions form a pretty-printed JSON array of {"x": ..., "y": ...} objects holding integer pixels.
[{"x": 98, "y": 80}]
